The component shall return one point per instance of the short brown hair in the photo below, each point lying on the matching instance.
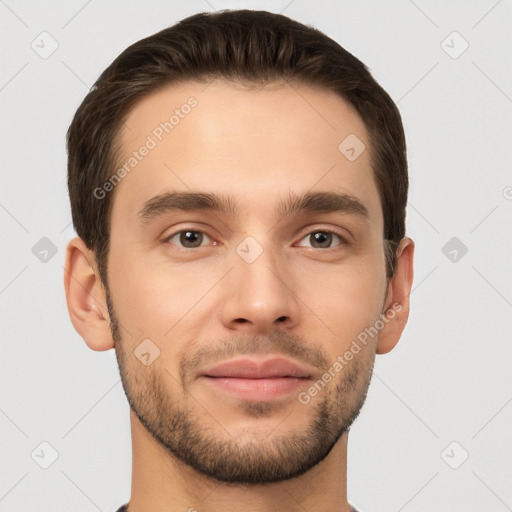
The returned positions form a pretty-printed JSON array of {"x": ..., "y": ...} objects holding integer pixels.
[{"x": 253, "y": 47}]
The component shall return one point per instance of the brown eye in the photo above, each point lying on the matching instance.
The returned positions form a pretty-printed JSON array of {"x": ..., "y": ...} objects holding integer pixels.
[
  {"x": 322, "y": 239},
  {"x": 187, "y": 238}
]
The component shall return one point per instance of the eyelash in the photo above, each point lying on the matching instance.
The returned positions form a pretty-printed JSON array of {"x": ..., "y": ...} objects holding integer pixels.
[{"x": 343, "y": 240}]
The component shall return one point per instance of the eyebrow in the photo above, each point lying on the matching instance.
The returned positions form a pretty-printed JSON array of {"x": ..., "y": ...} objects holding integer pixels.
[{"x": 324, "y": 202}]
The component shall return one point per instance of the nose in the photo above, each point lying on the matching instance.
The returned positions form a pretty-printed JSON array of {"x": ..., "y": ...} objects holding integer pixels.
[{"x": 259, "y": 295}]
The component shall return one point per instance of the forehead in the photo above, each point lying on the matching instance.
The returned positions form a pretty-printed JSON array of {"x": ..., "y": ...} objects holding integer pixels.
[{"x": 255, "y": 144}]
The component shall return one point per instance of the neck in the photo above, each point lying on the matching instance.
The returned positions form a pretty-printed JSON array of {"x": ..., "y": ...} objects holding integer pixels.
[{"x": 162, "y": 483}]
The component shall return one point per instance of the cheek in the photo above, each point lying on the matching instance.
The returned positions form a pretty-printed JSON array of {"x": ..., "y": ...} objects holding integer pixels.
[
  {"x": 150, "y": 296},
  {"x": 344, "y": 300}
]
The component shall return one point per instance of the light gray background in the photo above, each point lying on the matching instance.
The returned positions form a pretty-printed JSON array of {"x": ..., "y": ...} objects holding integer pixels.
[{"x": 449, "y": 378}]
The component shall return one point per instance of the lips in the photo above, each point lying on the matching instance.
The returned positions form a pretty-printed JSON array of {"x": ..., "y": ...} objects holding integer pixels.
[
  {"x": 253, "y": 369},
  {"x": 250, "y": 379}
]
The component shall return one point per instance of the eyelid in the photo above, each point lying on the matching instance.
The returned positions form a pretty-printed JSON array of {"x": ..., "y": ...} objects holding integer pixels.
[{"x": 198, "y": 227}]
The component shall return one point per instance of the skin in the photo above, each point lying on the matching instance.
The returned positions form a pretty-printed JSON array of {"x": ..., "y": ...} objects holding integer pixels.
[{"x": 257, "y": 146}]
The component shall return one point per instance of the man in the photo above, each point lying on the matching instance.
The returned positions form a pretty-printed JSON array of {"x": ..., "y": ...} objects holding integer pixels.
[{"x": 238, "y": 183}]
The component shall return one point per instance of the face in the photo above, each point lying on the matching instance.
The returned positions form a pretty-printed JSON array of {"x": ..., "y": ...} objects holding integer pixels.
[{"x": 246, "y": 257}]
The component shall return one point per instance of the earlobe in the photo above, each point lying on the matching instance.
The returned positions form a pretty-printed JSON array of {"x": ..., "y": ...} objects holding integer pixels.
[
  {"x": 85, "y": 296},
  {"x": 397, "y": 301}
]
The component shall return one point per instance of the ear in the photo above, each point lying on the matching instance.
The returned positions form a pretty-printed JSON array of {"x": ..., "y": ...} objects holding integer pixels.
[
  {"x": 396, "y": 307},
  {"x": 86, "y": 297}
]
